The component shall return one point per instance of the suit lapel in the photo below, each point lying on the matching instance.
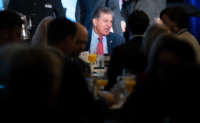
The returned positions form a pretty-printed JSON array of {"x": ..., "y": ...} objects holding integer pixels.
[
  {"x": 87, "y": 47},
  {"x": 109, "y": 43}
]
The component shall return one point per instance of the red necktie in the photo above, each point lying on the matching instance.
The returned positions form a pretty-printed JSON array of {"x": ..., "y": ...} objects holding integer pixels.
[{"x": 100, "y": 46}]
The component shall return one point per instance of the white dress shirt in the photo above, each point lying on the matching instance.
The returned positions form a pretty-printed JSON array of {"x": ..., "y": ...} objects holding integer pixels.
[{"x": 94, "y": 42}]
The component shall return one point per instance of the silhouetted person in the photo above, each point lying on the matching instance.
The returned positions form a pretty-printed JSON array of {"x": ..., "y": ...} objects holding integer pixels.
[{"x": 10, "y": 27}]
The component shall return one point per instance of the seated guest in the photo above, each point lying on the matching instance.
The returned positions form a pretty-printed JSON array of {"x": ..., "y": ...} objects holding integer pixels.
[
  {"x": 61, "y": 36},
  {"x": 164, "y": 84},
  {"x": 10, "y": 30},
  {"x": 32, "y": 79},
  {"x": 10, "y": 27},
  {"x": 68, "y": 39},
  {"x": 75, "y": 98},
  {"x": 150, "y": 35},
  {"x": 159, "y": 94},
  {"x": 86, "y": 8},
  {"x": 101, "y": 40},
  {"x": 177, "y": 20},
  {"x": 128, "y": 55}
]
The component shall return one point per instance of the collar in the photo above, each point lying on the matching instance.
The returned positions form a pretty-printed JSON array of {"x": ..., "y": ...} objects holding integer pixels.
[
  {"x": 135, "y": 36},
  {"x": 181, "y": 31},
  {"x": 95, "y": 35}
]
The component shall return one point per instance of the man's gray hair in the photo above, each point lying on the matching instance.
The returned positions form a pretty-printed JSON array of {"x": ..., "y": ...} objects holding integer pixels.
[{"x": 100, "y": 10}]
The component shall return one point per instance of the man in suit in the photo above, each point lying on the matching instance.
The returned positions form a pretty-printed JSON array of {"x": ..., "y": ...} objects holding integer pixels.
[
  {"x": 66, "y": 37},
  {"x": 36, "y": 10},
  {"x": 128, "y": 56},
  {"x": 100, "y": 37},
  {"x": 86, "y": 8}
]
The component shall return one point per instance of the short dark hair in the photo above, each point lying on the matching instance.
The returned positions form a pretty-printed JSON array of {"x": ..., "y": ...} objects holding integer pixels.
[
  {"x": 138, "y": 21},
  {"x": 100, "y": 10},
  {"x": 10, "y": 19},
  {"x": 178, "y": 15},
  {"x": 164, "y": 11},
  {"x": 59, "y": 28}
]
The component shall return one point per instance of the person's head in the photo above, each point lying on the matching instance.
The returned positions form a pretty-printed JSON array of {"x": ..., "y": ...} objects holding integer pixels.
[
  {"x": 81, "y": 39},
  {"x": 175, "y": 18},
  {"x": 32, "y": 74},
  {"x": 138, "y": 22},
  {"x": 169, "y": 50},
  {"x": 62, "y": 35},
  {"x": 102, "y": 21},
  {"x": 10, "y": 27},
  {"x": 150, "y": 36}
]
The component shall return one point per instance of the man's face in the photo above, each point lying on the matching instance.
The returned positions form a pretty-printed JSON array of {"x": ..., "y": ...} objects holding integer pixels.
[
  {"x": 103, "y": 24},
  {"x": 169, "y": 23}
]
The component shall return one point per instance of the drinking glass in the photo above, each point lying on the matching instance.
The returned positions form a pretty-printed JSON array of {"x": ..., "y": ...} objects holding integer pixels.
[
  {"x": 92, "y": 58},
  {"x": 100, "y": 84},
  {"x": 129, "y": 83}
]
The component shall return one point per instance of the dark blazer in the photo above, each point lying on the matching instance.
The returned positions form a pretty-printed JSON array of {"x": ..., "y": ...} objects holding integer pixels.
[
  {"x": 85, "y": 10},
  {"x": 127, "y": 55},
  {"x": 73, "y": 78},
  {"x": 37, "y": 9},
  {"x": 113, "y": 40}
]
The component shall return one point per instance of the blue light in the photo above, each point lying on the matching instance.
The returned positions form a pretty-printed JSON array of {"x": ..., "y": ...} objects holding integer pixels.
[
  {"x": 1, "y": 4},
  {"x": 2, "y": 86},
  {"x": 194, "y": 21}
]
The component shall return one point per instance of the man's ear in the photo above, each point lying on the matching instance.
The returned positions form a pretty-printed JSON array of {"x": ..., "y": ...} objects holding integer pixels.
[{"x": 94, "y": 21}]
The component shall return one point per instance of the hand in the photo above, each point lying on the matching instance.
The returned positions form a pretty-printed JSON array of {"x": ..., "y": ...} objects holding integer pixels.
[
  {"x": 123, "y": 26},
  {"x": 158, "y": 21},
  {"x": 109, "y": 98}
]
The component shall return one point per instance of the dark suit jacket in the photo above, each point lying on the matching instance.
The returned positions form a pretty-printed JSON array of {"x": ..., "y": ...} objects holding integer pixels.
[
  {"x": 36, "y": 10},
  {"x": 85, "y": 10},
  {"x": 113, "y": 40},
  {"x": 73, "y": 78},
  {"x": 127, "y": 56}
]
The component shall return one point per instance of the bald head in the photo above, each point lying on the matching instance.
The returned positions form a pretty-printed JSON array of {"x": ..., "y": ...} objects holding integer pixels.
[{"x": 82, "y": 38}]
